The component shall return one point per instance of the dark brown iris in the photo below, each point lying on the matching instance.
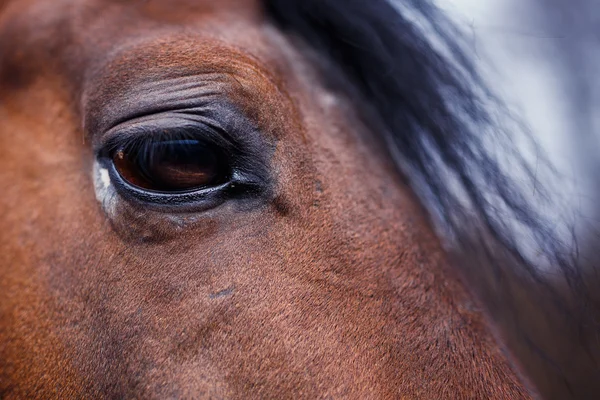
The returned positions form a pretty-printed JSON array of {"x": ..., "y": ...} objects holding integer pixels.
[{"x": 172, "y": 166}]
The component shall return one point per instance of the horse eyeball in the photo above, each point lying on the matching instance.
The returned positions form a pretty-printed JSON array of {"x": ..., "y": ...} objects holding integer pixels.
[{"x": 172, "y": 166}]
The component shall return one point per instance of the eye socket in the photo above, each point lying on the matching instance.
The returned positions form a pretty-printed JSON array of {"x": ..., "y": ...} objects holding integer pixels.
[
  {"x": 184, "y": 161},
  {"x": 172, "y": 166}
]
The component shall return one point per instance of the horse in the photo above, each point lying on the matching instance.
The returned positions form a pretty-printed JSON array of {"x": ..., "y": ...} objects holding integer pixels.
[{"x": 251, "y": 199}]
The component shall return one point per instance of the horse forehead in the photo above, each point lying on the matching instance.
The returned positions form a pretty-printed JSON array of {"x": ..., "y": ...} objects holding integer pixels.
[
  {"x": 81, "y": 35},
  {"x": 167, "y": 7},
  {"x": 208, "y": 12},
  {"x": 98, "y": 24}
]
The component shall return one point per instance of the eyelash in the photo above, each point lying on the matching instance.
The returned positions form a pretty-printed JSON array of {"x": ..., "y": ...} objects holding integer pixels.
[{"x": 143, "y": 137}]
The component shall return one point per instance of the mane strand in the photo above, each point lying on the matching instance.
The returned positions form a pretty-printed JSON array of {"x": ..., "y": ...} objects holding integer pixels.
[{"x": 452, "y": 138}]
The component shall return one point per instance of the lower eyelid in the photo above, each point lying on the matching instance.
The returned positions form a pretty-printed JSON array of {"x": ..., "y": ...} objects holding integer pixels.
[
  {"x": 137, "y": 222},
  {"x": 198, "y": 200},
  {"x": 111, "y": 189}
]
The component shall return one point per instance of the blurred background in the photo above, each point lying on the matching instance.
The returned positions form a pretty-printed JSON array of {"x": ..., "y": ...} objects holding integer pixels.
[{"x": 543, "y": 57}]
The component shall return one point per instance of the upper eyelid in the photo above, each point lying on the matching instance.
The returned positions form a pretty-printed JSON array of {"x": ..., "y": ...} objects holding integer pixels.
[{"x": 155, "y": 124}]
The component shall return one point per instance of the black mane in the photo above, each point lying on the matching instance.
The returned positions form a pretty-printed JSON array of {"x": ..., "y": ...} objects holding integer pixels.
[
  {"x": 435, "y": 107},
  {"x": 414, "y": 67}
]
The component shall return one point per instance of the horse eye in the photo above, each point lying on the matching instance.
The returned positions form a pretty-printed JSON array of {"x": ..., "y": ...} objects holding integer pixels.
[{"x": 172, "y": 165}]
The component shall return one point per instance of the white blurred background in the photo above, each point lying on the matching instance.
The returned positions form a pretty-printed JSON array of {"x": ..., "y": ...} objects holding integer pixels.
[{"x": 543, "y": 58}]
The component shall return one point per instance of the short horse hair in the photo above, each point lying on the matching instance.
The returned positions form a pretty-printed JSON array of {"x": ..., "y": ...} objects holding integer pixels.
[{"x": 445, "y": 129}]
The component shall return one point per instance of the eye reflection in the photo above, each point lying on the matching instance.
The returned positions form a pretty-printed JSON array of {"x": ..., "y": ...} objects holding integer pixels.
[{"x": 172, "y": 165}]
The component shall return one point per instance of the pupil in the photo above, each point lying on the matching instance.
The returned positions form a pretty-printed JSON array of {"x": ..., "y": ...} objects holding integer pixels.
[{"x": 172, "y": 166}]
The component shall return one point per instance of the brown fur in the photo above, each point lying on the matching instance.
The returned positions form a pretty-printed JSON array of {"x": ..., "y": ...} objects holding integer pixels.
[{"x": 335, "y": 287}]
